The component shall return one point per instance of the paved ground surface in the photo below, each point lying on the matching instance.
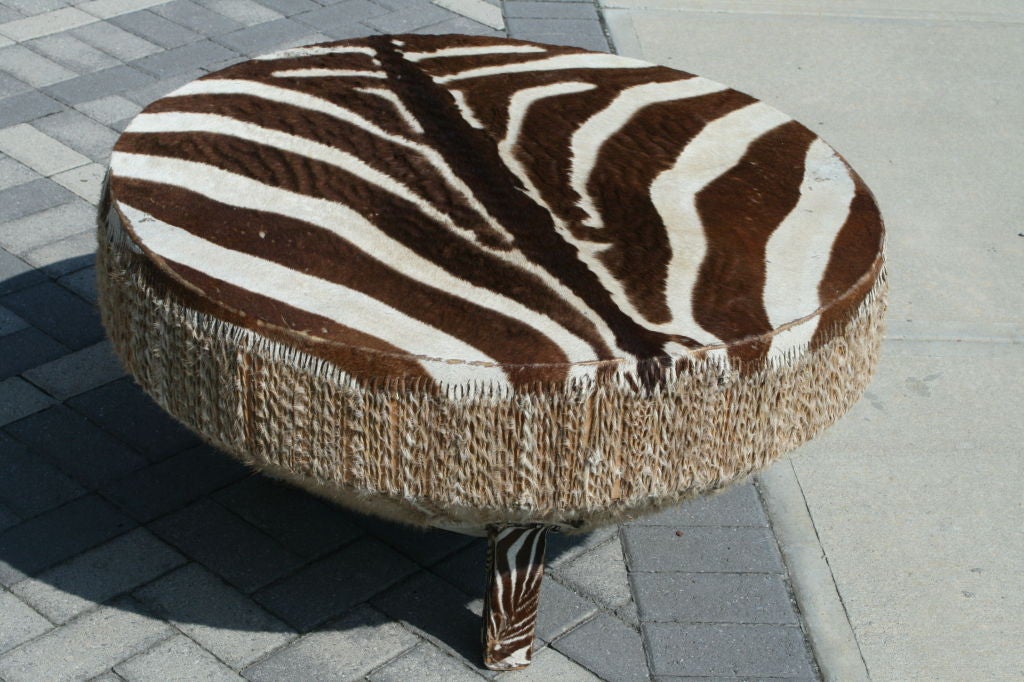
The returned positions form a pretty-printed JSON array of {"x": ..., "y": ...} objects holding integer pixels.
[{"x": 128, "y": 550}]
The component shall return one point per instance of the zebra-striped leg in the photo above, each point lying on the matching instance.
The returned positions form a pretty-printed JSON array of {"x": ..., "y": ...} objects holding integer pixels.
[{"x": 515, "y": 568}]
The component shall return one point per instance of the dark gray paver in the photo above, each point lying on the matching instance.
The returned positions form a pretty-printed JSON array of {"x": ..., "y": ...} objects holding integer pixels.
[
  {"x": 531, "y": 9},
  {"x": 704, "y": 650},
  {"x": 425, "y": 546},
  {"x": 250, "y": 561},
  {"x": 18, "y": 399},
  {"x": 306, "y": 525},
  {"x": 290, "y": 7},
  {"x": 345, "y": 650},
  {"x": 608, "y": 647},
  {"x": 82, "y": 282},
  {"x": 14, "y": 173},
  {"x": 99, "y": 84},
  {"x": 406, "y": 20},
  {"x": 328, "y": 587},
  {"x": 82, "y": 134},
  {"x": 111, "y": 569},
  {"x": 702, "y": 549},
  {"x": 168, "y": 485},
  {"x": 26, "y": 106},
  {"x": 184, "y": 58},
  {"x": 14, "y": 272},
  {"x": 713, "y": 598},
  {"x": 560, "y": 609},
  {"x": 247, "y": 12},
  {"x": 64, "y": 256},
  {"x": 18, "y": 622},
  {"x": 156, "y": 29},
  {"x": 9, "y": 85},
  {"x": 157, "y": 89},
  {"x": 31, "y": 197},
  {"x": 10, "y": 323},
  {"x": 115, "y": 41},
  {"x": 342, "y": 15},
  {"x": 77, "y": 372},
  {"x": 217, "y": 616},
  {"x": 196, "y": 17},
  {"x": 72, "y": 528},
  {"x": 43, "y": 227},
  {"x": 113, "y": 633},
  {"x": 600, "y": 574},
  {"x": 58, "y": 312},
  {"x": 76, "y": 445},
  {"x": 738, "y": 505},
  {"x": 583, "y": 33},
  {"x": 263, "y": 38},
  {"x": 28, "y": 484},
  {"x": 73, "y": 53},
  {"x": 425, "y": 663},
  {"x": 177, "y": 658},
  {"x": 25, "y": 349},
  {"x": 123, "y": 409}
]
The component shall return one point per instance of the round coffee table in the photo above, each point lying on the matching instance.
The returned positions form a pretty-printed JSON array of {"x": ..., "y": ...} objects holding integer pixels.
[{"x": 489, "y": 285}]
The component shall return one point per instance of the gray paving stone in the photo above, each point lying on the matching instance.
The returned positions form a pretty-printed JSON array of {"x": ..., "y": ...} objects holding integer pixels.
[
  {"x": 713, "y": 598},
  {"x": 109, "y": 110},
  {"x": 728, "y": 650},
  {"x": 582, "y": 33},
  {"x": 702, "y": 549},
  {"x": 18, "y": 622},
  {"x": 75, "y": 445},
  {"x": 263, "y": 38},
  {"x": 406, "y": 20},
  {"x": 738, "y": 505},
  {"x": 32, "y": 68},
  {"x": 425, "y": 663},
  {"x": 163, "y": 487},
  {"x": 7, "y": 518},
  {"x": 91, "y": 86},
  {"x": 607, "y": 647},
  {"x": 341, "y": 16},
  {"x": 33, "y": 7},
  {"x": 249, "y": 560},
  {"x": 425, "y": 546},
  {"x": 16, "y": 274},
  {"x": 184, "y": 59},
  {"x": 79, "y": 132},
  {"x": 57, "y": 312},
  {"x": 85, "y": 181},
  {"x": 196, "y": 17},
  {"x": 290, "y": 7},
  {"x": 13, "y": 173},
  {"x": 530, "y": 9},
  {"x": 248, "y": 12},
  {"x": 108, "y": 676},
  {"x": 156, "y": 29},
  {"x": 31, "y": 197},
  {"x": 112, "y": 569},
  {"x": 178, "y": 658},
  {"x": 115, "y": 41},
  {"x": 75, "y": 54},
  {"x": 305, "y": 524},
  {"x": 600, "y": 574},
  {"x": 549, "y": 665},
  {"x": 64, "y": 255},
  {"x": 29, "y": 485},
  {"x": 437, "y": 611},
  {"x": 218, "y": 617},
  {"x": 25, "y": 107},
  {"x": 9, "y": 85},
  {"x": 10, "y": 323},
  {"x": 158, "y": 89},
  {"x": 82, "y": 282},
  {"x": 560, "y": 609},
  {"x": 18, "y": 399},
  {"x": 460, "y": 25},
  {"x": 345, "y": 650},
  {"x": 85, "y": 647},
  {"x": 77, "y": 372},
  {"x": 124, "y": 410},
  {"x": 23, "y": 234},
  {"x": 26, "y": 349},
  {"x": 78, "y": 525},
  {"x": 465, "y": 569},
  {"x": 562, "y": 548},
  {"x": 328, "y": 587}
]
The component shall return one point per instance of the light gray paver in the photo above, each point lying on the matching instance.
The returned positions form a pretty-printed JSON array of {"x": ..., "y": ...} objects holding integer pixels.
[
  {"x": 184, "y": 58},
  {"x": 406, "y": 20},
  {"x": 18, "y": 622},
  {"x": 47, "y": 226},
  {"x": 112, "y": 633},
  {"x": 249, "y": 13},
  {"x": 178, "y": 658},
  {"x": 561, "y": 609},
  {"x": 702, "y": 549},
  {"x": 90, "y": 86},
  {"x": 24, "y": 107},
  {"x": 347, "y": 649},
  {"x": 738, "y": 505},
  {"x": 115, "y": 41},
  {"x": 608, "y": 647},
  {"x": 263, "y": 38},
  {"x": 85, "y": 181},
  {"x": 549, "y": 665},
  {"x": 45, "y": 24},
  {"x": 64, "y": 255},
  {"x": 77, "y": 585},
  {"x": 80, "y": 133},
  {"x": 156, "y": 29},
  {"x": 73, "y": 53},
  {"x": 221, "y": 619},
  {"x": 13, "y": 173},
  {"x": 728, "y": 650},
  {"x": 713, "y": 598},
  {"x": 599, "y": 574},
  {"x": 531, "y": 9},
  {"x": 38, "y": 151},
  {"x": 109, "y": 110},
  {"x": 425, "y": 663},
  {"x": 196, "y": 17}
]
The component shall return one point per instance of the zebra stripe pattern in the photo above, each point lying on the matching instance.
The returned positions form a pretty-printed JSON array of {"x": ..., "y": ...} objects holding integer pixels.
[
  {"x": 515, "y": 569},
  {"x": 460, "y": 209}
]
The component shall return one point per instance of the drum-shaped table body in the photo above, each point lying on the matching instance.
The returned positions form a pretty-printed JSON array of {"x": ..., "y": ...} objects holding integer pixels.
[{"x": 489, "y": 284}]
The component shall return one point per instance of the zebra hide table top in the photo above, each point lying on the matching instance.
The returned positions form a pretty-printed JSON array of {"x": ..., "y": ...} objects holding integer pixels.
[{"x": 479, "y": 218}]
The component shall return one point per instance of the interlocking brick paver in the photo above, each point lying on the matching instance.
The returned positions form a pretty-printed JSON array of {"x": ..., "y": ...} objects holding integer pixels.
[
  {"x": 115, "y": 41},
  {"x": 249, "y": 12},
  {"x": 305, "y": 524},
  {"x": 703, "y": 650},
  {"x": 406, "y": 20},
  {"x": 344, "y": 650},
  {"x": 217, "y": 616},
  {"x": 31, "y": 197},
  {"x": 326, "y": 588},
  {"x": 18, "y": 399},
  {"x": 156, "y": 29},
  {"x": 713, "y": 598},
  {"x": 46, "y": 226},
  {"x": 343, "y": 15},
  {"x": 77, "y": 372},
  {"x": 110, "y": 81},
  {"x": 738, "y": 505},
  {"x": 64, "y": 255},
  {"x": 9, "y": 85},
  {"x": 45, "y": 24},
  {"x": 532, "y": 9},
  {"x": 85, "y": 181},
  {"x": 28, "y": 484},
  {"x": 58, "y": 312},
  {"x": 560, "y": 609},
  {"x": 26, "y": 349},
  {"x": 563, "y": 548},
  {"x": 85, "y": 647},
  {"x": 460, "y": 25},
  {"x": 166, "y": 486},
  {"x": 28, "y": 8},
  {"x": 583, "y": 33},
  {"x": 10, "y": 323},
  {"x": 184, "y": 59},
  {"x": 196, "y": 17},
  {"x": 109, "y": 110},
  {"x": 124, "y": 410},
  {"x": 702, "y": 549},
  {"x": 263, "y": 38},
  {"x": 600, "y": 574},
  {"x": 22, "y": 108},
  {"x": 106, "y": 9},
  {"x": 76, "y": 446},
  {"x": 178, "y": 658},
  {"x": 13, "y": 173},
  {"x": 82, "y": 282},
  {"x": 158, "y": 89},
  {"x": 425, "y": 546},
  {"x": 608, "y": 647},
  {"x": 425, "y": 663},
  {"x": 113, "y": 568},
  {"x": 477, "y": 10},
  {"x": 16, "y": 274},
  {"x": 79, "y": 132},
  {"x": 72, "y": 528},
  {"x": 73, "y": 53},
  {"x": 463, "y": 568},
  {"x": 7, "y": 518},
  {"x": 549, "y": 665},
  {"x": 282, "y": 8},
  {"x": 18, "y": 622}
]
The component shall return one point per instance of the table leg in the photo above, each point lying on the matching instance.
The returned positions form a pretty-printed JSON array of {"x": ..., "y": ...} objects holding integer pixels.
[{"x": 515, "y": 568}]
